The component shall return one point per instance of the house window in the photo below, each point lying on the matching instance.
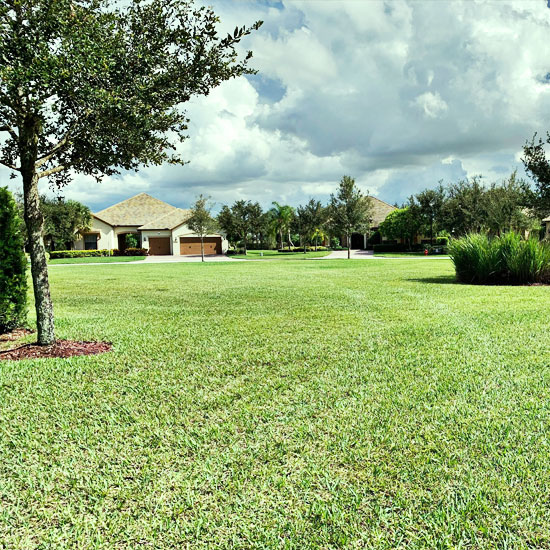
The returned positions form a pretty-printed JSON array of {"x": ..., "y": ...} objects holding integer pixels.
[{"x": 90, "y": 241}]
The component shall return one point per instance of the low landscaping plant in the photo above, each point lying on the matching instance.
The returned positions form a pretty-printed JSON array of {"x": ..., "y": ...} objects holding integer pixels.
[
  {"x": 55, "y": 254},
  {"x": 507, "y": 259},
  {"x": 13, "y": 265}
]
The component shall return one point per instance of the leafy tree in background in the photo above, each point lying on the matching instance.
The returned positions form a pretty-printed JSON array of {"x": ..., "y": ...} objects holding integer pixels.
[
  {"x": 507, "y": 206},
  {"x": 464, "y": 210},
  {"x": 63, "y": 220},
  {"x": 538, "y": 166},
  {"x": 13, "y": 265},
  {"x": 96, "y": 86},
  {"x": 403, "y": 223},
  {"x": 311, "y": 218},
  {"x": 349, "y": 210},
  {"x": 430, "y": 203},
  {"x": 201, "y": 220}
]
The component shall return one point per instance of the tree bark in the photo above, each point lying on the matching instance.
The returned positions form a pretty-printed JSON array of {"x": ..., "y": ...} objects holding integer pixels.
[
  {"x": 202, "y": 249},
  {"x": 349, "y": 246},
  {"x": 34, "y": 222}
]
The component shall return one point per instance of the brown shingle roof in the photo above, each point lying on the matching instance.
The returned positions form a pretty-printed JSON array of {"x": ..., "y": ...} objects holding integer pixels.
[
  {"x": 380, "y": 210},
  {"x": 168, "y": 221},
  {"x": 137, "y": 211}
]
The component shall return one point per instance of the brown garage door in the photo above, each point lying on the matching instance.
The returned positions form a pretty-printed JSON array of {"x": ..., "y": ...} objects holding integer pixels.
[
  {"x": 159, "y": 246},
  {"x": 192, "y": 245}
]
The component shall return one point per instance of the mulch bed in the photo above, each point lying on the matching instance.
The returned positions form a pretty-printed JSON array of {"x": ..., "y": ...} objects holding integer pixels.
[{"x": 62, "y": 348}]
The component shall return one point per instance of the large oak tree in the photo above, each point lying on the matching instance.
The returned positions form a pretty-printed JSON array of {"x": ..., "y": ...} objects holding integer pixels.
[{"x": 95, "y": 87}]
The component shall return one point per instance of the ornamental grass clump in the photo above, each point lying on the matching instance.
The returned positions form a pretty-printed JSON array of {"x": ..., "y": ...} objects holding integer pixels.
[
  {"x": 13, "y": 266},
  {"x": 506, "y": 259}
]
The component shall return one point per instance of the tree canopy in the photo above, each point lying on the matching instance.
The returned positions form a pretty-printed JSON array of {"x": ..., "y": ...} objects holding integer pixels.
[{"x": 98, "y": 86}]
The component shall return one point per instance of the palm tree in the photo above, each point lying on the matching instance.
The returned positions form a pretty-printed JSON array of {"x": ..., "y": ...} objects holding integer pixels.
[{"x": 282, "y": 219}]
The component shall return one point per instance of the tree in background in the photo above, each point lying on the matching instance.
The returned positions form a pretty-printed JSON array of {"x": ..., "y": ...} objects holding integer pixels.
[
  {"x": 349, "y": 210},
  {"x": 13, "y": 265},
  {"x": 311, "y": 218},
  {"x": 201, "y": 221},
  {"x": 403, "y": 223},
  {"x": 282, "y": 217},
  {"x": 464, "y": 211},
  {"x": 63, "y": 220},
  {"x": 96, "y": 87},
  {"x": 507, "y": 206},
  {"x": 430, "y": 203},
  {"x": 535, "y": 162}
]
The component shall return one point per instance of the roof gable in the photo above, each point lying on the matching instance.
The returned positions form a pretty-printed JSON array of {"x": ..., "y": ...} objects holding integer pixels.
[
  {"x": 135, "y": 211},
  {"x": 168, "y": 221},
  {"x": 380, "y": 210}
]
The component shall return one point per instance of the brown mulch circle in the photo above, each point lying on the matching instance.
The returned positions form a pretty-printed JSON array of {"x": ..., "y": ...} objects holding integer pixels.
[{"x": 62, "y": 348}]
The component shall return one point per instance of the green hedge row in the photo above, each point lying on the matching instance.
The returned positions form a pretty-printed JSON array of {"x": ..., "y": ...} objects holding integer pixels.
[{"x": 55, "y": 254}]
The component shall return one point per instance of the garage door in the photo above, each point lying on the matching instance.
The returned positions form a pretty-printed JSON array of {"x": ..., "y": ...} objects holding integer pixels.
[
  {"x": 159, "y": 246},
  {"x": 192, "y": 245}
]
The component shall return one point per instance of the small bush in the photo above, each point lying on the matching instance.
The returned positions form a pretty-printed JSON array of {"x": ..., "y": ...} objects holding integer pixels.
[
  {"x": 509, "y": 259},
  {"x": 389, "y": 247},
  {"x": 13, "y": 266},
  {"x": 55, "y": 254},
  {"x": 136, "y": 252}
]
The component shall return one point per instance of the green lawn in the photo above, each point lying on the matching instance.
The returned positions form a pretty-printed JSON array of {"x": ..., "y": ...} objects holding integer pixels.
[
  {"x": 335, "y": 404},
  {"x": 407, "y": 255},
  {"x": 274, "y": 255},
  {"x": 97, "y": 260}
]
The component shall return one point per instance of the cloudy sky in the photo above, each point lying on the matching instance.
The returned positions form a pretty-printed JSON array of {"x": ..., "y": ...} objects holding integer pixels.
[{"x": 398, "y": 94}]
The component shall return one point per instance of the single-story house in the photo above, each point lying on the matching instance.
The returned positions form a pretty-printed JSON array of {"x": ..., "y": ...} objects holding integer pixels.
[
  {"x": 159, "y": 227},
  {"x": 380, "y": 210}
]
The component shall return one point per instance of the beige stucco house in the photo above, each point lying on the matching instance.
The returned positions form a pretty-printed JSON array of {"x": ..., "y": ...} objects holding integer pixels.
[
  {"x": 159, "y": 227},
  {"x": 380, "y": 210}
]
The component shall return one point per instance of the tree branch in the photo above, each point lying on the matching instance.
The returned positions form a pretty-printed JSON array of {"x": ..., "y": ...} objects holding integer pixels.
[
  {"x": 58, "y": 147},
  {"x": 10, "y": 130},
  {"x": 51, "y": 171},
  {"x": 8, "y": 165}
]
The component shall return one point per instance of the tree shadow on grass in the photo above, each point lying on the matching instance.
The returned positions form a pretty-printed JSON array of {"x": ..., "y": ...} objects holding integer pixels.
[{"x": 439, "y": 280}]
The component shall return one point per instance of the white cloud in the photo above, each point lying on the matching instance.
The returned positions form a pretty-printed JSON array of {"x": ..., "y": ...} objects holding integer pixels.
[{"x": 397, "y": 94}]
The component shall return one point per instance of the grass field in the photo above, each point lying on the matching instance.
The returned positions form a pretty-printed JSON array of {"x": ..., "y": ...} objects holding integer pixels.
[
  {"x": 96, "y": 260},
  {"x": 334, "y": 404},
  {"x": 275, "y": 255}
]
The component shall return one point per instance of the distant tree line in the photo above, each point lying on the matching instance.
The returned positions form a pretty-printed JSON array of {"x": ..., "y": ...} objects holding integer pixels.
[
  {"x": 247, "y": 225},
  {"x": 467, "y": 206}
]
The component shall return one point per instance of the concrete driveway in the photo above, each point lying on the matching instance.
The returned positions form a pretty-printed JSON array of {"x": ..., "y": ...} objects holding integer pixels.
[{"x": 354, "y": 255}]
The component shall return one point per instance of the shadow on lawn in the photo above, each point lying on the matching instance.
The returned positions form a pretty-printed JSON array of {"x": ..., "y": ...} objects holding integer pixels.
[{"x": 439, "y": 280}]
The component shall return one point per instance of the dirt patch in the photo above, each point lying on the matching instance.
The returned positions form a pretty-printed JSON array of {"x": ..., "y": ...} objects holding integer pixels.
[{"x": 62, "y": 348}]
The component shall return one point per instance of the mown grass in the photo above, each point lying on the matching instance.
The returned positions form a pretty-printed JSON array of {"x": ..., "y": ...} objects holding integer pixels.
[
  {"x": 275, "y": 255},
  {"x": 97, "y": 260},
  {"x": 334, "y": 404}
]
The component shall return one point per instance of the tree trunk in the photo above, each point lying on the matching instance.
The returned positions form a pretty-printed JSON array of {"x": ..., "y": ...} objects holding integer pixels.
[
  {"x": 34, "y": 222},
  {"x": 202, "y": 249},
  {"x": 315, "y": 243},
  {"x": 245, "y": 251},
  {"x": 349, "y": 246}
]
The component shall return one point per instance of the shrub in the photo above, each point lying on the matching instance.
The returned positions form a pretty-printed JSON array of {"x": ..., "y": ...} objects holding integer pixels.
[
  {"x": 55, "y": 254},
  {"x": 13, "y": 265},
  {"x": 509, "y": 259},
  {"x": 389, "y": 247},
  {"x": 136, "y": 252}
]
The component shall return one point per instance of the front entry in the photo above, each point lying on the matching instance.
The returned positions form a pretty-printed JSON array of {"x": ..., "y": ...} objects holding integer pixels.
[
  {"x": 192, "y": 245},
  {"x": 159, "y": 246},
  {"x": 357, "y": 240}
]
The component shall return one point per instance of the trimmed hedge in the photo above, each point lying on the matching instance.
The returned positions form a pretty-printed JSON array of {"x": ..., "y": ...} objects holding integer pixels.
[
  {"x": 55, "y": 254},
  {"x": 130, "y": 252},
  {"x": 13, "y": 266},
  {"x": 509, "y": 259}
]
